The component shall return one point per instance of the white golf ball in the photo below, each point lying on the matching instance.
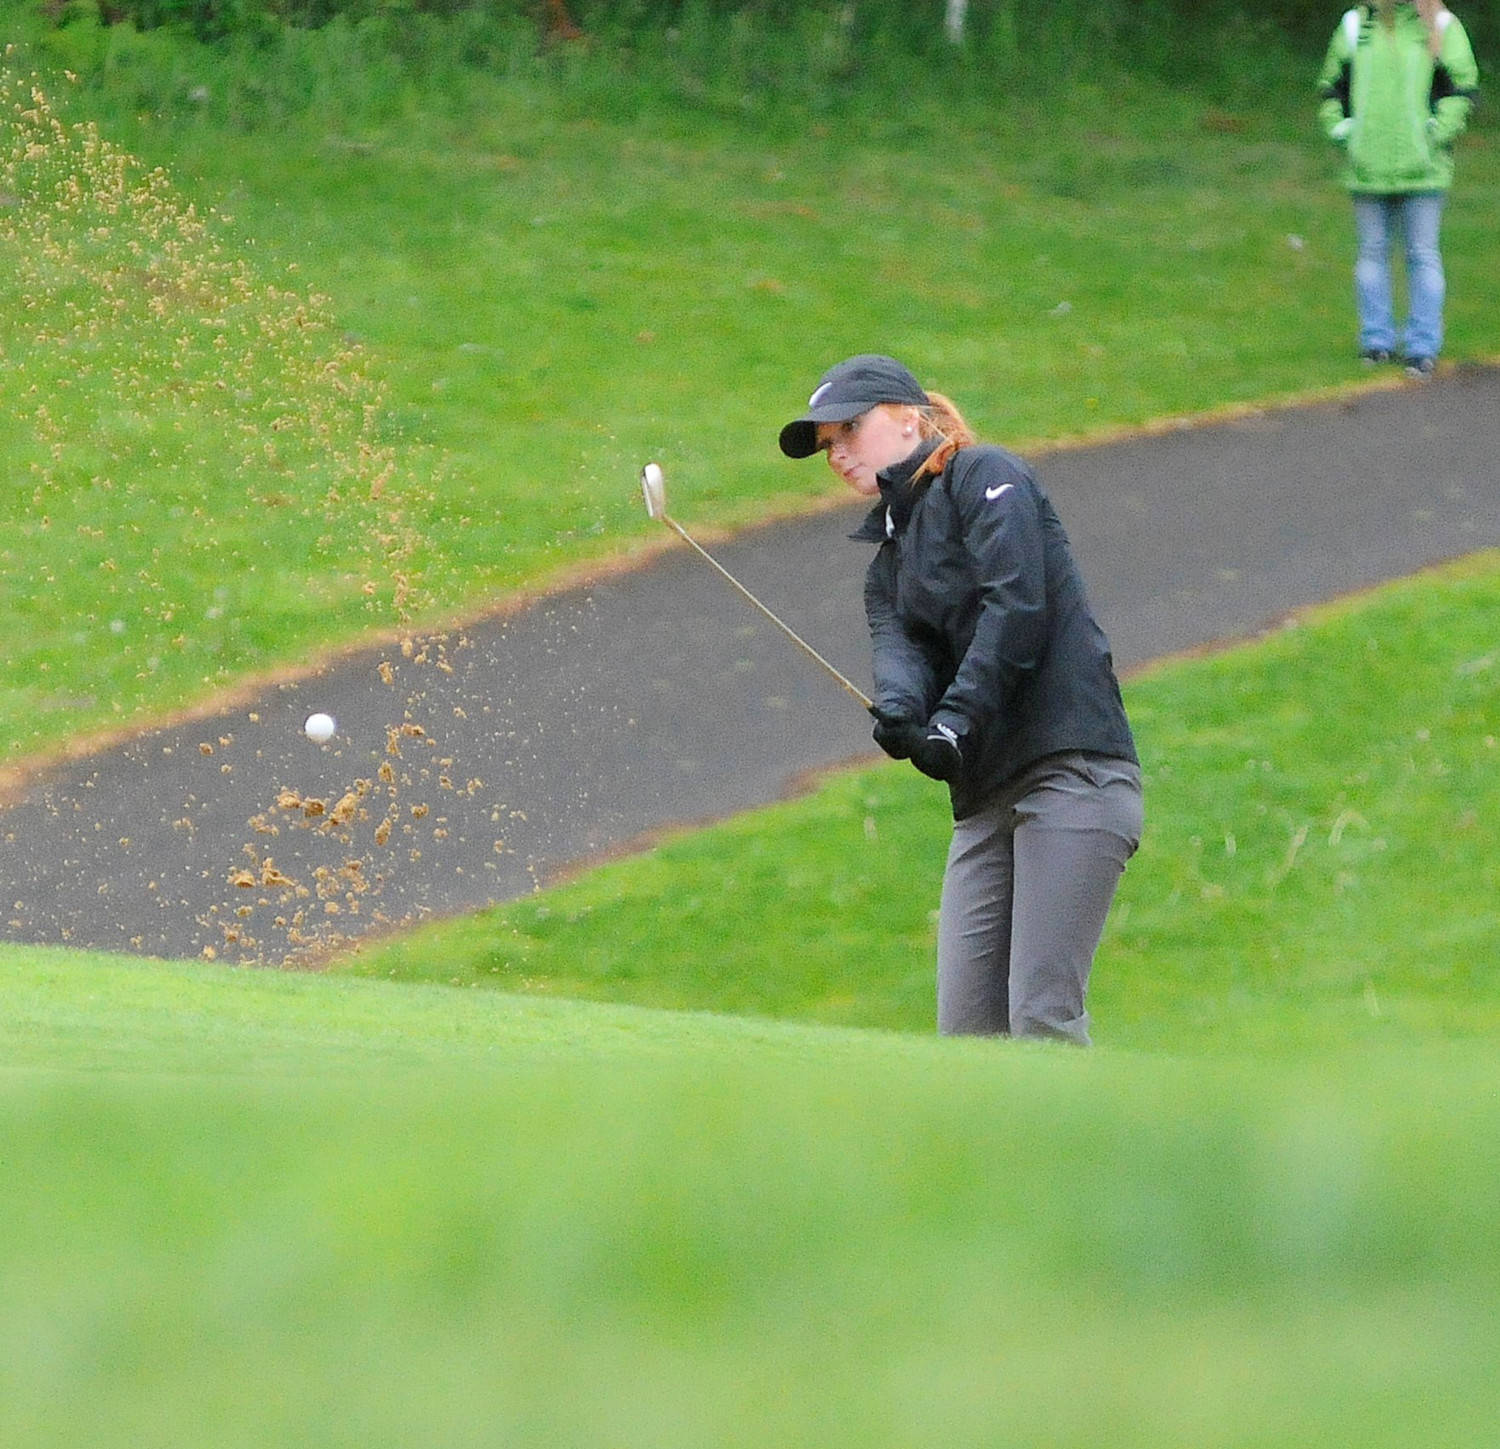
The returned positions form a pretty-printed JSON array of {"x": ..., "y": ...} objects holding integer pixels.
[
  {"x": 653, "y": 475},
  {"x": 319, "y": 727}
]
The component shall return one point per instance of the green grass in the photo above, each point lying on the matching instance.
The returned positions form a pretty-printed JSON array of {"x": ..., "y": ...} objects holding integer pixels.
[
  {"x": 252, "y": 1207},
  {"x": 1319, "y": 866},
  {"x": 498, "y": 300},
  {"x": 248, "y": 1207}
]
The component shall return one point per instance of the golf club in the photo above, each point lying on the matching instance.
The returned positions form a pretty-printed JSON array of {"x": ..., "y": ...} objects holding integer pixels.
[{"x": 654, "y": 487}]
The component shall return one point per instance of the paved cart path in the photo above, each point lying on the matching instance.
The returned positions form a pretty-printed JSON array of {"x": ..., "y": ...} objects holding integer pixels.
[{"x": 494, "y": 758}]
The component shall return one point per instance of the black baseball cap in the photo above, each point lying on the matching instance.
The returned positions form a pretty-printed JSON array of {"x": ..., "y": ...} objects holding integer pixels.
[{"x": 846, "y": 390}]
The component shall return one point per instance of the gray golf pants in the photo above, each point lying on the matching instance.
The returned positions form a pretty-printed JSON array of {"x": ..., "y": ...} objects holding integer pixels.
[{"x": 1029, "y": 883}]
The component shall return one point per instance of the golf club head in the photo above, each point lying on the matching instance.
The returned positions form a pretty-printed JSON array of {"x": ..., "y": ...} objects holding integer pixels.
[{"x": 654, "y": 488}]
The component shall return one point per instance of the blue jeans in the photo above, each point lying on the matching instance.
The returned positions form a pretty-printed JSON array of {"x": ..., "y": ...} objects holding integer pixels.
[{"x": 1377, "y": 220}]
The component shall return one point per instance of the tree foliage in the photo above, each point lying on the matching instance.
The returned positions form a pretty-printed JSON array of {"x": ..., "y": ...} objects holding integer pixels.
[{"x": 1162, "y": 35}]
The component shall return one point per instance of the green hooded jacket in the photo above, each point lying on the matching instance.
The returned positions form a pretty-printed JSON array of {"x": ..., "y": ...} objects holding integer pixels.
[{"x": 1392, "y": 108}]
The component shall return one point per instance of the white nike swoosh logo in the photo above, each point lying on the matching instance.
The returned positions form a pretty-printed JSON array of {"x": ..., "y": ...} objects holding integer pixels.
[{"x": 993, "y": 493}]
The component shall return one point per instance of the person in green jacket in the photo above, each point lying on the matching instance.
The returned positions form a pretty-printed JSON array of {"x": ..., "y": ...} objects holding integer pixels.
[{"x": 1397, "y": 87}]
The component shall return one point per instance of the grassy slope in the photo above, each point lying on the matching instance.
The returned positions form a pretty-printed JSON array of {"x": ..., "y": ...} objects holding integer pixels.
[
  {"x": 548, "y": 298},
  {"x": 437, "y": 1217}
]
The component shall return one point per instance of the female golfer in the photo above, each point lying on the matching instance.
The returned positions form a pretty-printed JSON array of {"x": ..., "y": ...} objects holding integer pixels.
[
  {"x": 1397, "y": 86},
  {"x": 991, "y": 675}
]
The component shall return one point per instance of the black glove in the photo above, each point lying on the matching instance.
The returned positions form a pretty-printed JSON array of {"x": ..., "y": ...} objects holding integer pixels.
[
  {"x": 937, "y": 753},
  {"x": 896, "y": 736}
]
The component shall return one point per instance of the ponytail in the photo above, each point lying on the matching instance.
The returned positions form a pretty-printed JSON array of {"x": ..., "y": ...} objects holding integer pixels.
[{"x": 941, "y": 419}]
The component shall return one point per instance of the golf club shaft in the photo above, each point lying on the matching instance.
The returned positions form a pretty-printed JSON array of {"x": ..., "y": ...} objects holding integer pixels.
[{"x": 786, "y": 629}]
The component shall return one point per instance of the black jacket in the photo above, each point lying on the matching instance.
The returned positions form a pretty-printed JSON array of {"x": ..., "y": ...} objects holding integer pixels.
[{"x": 979, "y": 621}]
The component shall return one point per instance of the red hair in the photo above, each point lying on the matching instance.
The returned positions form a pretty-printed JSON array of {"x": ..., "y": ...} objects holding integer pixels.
[{"x": 941, "y": 419}]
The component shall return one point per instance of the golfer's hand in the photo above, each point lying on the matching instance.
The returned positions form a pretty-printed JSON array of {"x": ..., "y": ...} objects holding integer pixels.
[
  {"x": 896, "y": 736},
  {"x": 938, "y": 754}
]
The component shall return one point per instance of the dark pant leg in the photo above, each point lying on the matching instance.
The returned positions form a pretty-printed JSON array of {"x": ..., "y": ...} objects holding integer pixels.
[
  {"x": 974, "y": 926},
  {"x": 1076, "y": 828}
]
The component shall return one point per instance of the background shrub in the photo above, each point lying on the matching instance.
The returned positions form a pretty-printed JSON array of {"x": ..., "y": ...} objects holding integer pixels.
[{"x": 1166, "y": 35}]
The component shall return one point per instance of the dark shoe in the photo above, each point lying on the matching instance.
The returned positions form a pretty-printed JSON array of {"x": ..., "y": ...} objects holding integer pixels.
[
  {"x": 1374, "y": 356},
  {"x": 1420, "y": 366}
]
